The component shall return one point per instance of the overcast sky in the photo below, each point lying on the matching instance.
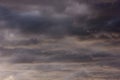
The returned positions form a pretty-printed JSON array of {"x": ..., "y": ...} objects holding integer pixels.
[{"x": 59, "y": 39}]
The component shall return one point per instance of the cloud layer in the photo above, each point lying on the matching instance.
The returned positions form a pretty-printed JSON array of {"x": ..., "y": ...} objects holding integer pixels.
[
  {"x": 59, "y": 39},
  {"x": 77, "y": 19}
]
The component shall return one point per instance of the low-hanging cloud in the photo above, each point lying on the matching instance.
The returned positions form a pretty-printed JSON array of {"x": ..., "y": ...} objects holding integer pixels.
[
  {"x": 77, "y": 19},
  {"x": 29, "y": 49}
]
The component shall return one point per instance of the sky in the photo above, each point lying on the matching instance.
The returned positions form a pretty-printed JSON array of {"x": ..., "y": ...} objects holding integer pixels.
[{"x": 59, "y": 39}]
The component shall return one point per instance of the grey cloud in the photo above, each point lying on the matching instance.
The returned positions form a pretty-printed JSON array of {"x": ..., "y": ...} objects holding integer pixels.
[
  {"x": 20, "y": 55},
  {"x": 78, "y": 9},
  {"x": 80, "y": 22},
  {"x": 32, "y": 57},
  {"x": 40, "y": 24}
]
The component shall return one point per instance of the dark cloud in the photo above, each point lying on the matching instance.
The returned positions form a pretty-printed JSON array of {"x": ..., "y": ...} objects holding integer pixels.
[
  {"x": 34, "y": 24},
  {"x": 80, "y": 22},
  {"x": 32, "y": 46},
  {"x": 21, "y": 55}
]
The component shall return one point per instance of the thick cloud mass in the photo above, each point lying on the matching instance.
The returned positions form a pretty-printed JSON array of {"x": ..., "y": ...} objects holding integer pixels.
[
  {"x": 34, "y": 24},
  {"x": 59, "y": 40},
  {"x": 79, "y": 19}
]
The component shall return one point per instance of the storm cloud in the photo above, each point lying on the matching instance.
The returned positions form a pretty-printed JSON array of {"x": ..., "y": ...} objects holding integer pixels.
[
  {"x": 76, "y": 19},
  {"x": 59, "y": 39}
]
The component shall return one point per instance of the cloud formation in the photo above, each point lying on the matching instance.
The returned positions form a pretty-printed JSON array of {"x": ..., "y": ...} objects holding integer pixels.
[
  {"x": 59, "y": 39},
  {"x": 77, "y": 19}
]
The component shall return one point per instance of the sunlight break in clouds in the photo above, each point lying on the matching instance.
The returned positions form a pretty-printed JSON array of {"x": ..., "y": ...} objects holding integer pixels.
[{"x": 9, "y": 78}]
